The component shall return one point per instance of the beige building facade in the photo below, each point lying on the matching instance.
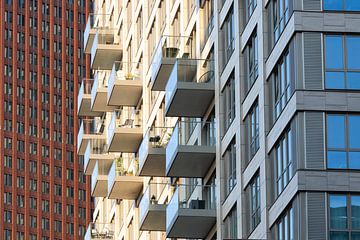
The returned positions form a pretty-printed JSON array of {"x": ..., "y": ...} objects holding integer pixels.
[{"x": 222, "y": 119}]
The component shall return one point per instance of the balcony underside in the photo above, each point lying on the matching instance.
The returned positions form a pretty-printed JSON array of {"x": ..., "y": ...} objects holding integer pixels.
[
  {"x": 82, "y": 144},
  {"x": 126, "y": 187},
  {"x": 99, "y": 102},
  {"x": 89, "y": 41},
  {"x": 155, "y": 218},
  {"x": 191, "y": 161},
  {"x": 125, "y": 93},
  {"x": 154, "y": 163},
  {"x": 192, "y": 223},
  {"x": 105, "y": 56},
  {"x": 101, "y": 185},
  {"x": 84, "y": 108},
  {"x": 190, "y": 100},
  {"x": 163, "y": 74},
  {"x": 126, "y": 140},
  {"x": 104, "y": 160}
]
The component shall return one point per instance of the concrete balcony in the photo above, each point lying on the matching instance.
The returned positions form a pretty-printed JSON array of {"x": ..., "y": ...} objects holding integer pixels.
[
  {"x": 125, "y": 131},
  {"x": 153, "y": 213},
  {"x": 96, "y": 151},
  {"x": 84, "y": 99},
  {"x": 124, "y": 184},
  {"x": 190, "y": 88},
  {"x": 183, "y": 160},
  {"x": 100, "y": 231},
  {"x": 99, "y": 180},
  {"x": 95, "y": 23},
  {"x": 105, "y": 50},
  {"x": 99, "y": 93},
  {"x": 164, "y": 58},
  {"x": 125, "y": 84},
  {"x": 191, "y": 212},
  {"x": 152, "y": 156},
  {"x": 89, "y": 129}
]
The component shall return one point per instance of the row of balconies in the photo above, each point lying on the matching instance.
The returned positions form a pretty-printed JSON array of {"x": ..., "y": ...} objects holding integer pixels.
[
  {"x": 189, "y": 206},
  {"x": 164, "y": 151}
]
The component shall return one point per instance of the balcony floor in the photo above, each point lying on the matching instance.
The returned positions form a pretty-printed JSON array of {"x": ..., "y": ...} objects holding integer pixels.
[
  {"x": 126, "y": 187},
  {"x": 190, "y": 100},
  {"x": 191, "y": 161},
  {"x": 192, "y": 223},
  {"x": 126, "y": 140},
  {"x": 105, "y": 56},
  {"x": 154, "y": 164},
  {"x": 125, "y": 93},
  {"x": 155, "y": 218}
]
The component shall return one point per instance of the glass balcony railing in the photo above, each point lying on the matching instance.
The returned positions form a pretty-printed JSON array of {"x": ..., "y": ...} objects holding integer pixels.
[
  {"x": 98, "y": 231},
  {"x": 189, "y": 150},
  {"x": 122, "y": 180},
  {"x": 90, "y": 127},
  {"x": 198, "y": 71},
  {"x": 125, "y": 130},
  {"x": 96, "y": 150},
  {"x": 167, "y": 50},
  {"x": 123, "y": 93},
  {"x": 155, "y": 138},
  {"x": 150, "y": 198},
  {"x": 85, "y": 89},
  {"x": 199, "y": 198}
]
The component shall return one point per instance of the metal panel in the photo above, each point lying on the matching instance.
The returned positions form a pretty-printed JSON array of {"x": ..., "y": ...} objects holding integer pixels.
[
  {"x": 314, "y": 140},
  {"x": 312, "y": 61},
  {"x": 314, "y": 5},
  {"x": 316, "y": 217}
]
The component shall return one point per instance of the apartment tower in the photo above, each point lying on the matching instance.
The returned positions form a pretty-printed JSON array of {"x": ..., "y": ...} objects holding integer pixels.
[
  {"x": 222, "y": 119},
  {"x": 42, "y": 185}
]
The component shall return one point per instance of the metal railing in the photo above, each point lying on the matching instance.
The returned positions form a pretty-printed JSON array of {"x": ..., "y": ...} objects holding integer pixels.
[
  {"x": 100, "y": 231},
  {"x": 190, "y": 197}
]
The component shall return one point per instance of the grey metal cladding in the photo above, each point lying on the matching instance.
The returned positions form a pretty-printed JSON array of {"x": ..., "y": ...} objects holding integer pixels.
[
  {"x": 314, "y": 140},
  {"x": 312, "y": 5},
  {"x": 312, "y": 61},
  {"x": 316, "y": 215}
]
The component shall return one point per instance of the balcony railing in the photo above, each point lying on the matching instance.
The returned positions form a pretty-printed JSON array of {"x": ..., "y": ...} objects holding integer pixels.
[
  {"x": 123, "y": 182},
  {"x": 125, "y": 84},
  {"x": 99, "y": 180},
  {"x": 105, "y": 50},
  {"x": 89, "y": 129},
  {"x": 95, "y": 22},
  {"x": 84, "y": 98},
  {"x": 167, "y": 50},
  {"x": 153, "y": 213},
  {"x": 98, "y": 231},
  {"x": 191, "y": 205},
  {"x": 96, "y": 150},
  {"x": 125, "y": 131},
  {"x": 188, "y": 160},
  {"x": 152, "y": 151},
  {"x": 190, "y": 88}
]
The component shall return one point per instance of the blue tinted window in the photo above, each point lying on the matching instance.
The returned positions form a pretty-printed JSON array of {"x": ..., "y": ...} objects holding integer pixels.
[
  {"x": 352, "y": 5},
  {"x": 355, "y": 212},
  {"x": 336, "y": 131},
  {"x": 354, "y": 160},
  {"x": 336, "y": 159},
  {"x": 338, "y": 212},
  {"x": 333, "y": 4},
  {"x": 339, "y": 236},
  {"x": 335, "y": 80},
  {"x": 334, "y": 52},
  {"x": 353, "y": 51},
  {"x": 353, "y": 80},
  {"x": 354, "y": 131}
]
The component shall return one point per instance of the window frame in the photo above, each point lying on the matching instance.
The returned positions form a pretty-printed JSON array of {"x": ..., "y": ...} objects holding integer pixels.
[
  {"x": 347, "y": 149},
  {"x": 254, "y": 202},
  {"x": 349, "y": 214},
  {"x": 345, "y": 70}
]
